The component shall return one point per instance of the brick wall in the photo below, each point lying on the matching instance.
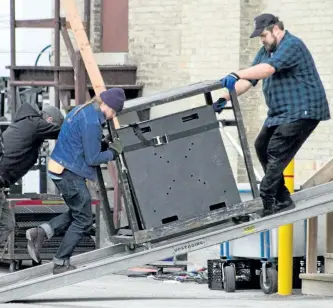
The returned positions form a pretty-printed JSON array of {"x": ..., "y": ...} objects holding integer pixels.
[{"x": 178, "y": 42}]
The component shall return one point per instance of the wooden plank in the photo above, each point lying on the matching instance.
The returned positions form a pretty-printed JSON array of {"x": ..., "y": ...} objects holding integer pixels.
[
  {"x": 73, "y": 17},
  {"x": 322, "y": 176},
  {"x": 311, "y": 245},
  {"x": 329, "y": 233},
  {"x": 35, "y": 23}
]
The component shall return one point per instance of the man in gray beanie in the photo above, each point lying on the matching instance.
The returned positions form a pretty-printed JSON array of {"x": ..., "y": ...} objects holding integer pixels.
[
  {"x": 21, "y": 142},
  {"x": 73, "y": 161}
]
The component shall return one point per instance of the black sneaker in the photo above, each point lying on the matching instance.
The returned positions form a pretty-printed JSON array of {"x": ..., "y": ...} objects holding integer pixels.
[
  {"x": 268, "y": 207},
  {"x": 59, "y": 269},
  {"x": 285, "y": 205},
  {"x": 36, "y": 238}
]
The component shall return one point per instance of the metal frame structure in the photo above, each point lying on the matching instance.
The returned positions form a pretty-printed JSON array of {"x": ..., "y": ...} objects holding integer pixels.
[
  {"x": 139, "y": 235},
  {"x": 68, "y": 82}
]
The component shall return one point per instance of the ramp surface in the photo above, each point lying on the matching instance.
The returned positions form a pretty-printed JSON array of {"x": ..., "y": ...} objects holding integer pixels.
[{"x": 309, "y": 203}]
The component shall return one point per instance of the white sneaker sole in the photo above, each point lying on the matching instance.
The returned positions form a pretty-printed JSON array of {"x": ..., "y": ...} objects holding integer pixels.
[{"x": 31, "y": 249}]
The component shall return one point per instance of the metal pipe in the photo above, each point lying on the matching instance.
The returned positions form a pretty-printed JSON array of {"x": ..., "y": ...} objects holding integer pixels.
[
  {"x": 2, "y": 103},
  {"x": 32, "y": 83},
  {"x": 12, "y": 57},
  {"x": 56, "y": 50}
]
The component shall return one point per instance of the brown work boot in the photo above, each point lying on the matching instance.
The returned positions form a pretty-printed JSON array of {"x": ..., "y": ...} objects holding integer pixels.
[
  {"x": 59, "y": 269},
  {"x": 36, "y": 238}
]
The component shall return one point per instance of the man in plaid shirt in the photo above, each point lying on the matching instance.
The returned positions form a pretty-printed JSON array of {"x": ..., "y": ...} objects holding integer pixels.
[{"x": 295, "y": 98}]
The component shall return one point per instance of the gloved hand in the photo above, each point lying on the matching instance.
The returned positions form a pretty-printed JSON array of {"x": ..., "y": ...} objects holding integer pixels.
[
  {"x": 219, "y": 105},
  {"x": 116, "y": 147},
  {"x": 104, "y": 145},
  {"x": 105, "y": 142},
  {"x": 229, "y": 81}
]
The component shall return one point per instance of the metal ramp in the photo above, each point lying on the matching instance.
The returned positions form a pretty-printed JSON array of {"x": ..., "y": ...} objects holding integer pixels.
[{"x": 309, "y": 203}]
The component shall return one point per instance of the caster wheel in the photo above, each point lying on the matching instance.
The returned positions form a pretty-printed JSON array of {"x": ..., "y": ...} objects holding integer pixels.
[
  {"x": 271, "y": 284},
  {"x": 12, "y": 266},
  {"x": 130, "y": 247},
  {"x": 18, "y": 265},
  {"x": 229, "y": 283}
]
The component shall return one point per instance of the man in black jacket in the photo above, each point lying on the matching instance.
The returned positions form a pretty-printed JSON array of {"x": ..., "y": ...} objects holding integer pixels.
[{"x": 21, "y": 144}]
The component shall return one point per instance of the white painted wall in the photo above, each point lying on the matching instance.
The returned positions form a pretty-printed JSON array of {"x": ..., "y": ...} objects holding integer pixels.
[{"x": 29, "y": 42}]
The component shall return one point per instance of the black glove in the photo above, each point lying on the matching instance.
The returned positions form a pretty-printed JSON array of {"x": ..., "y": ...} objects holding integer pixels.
[
  {"x": 219, "y": 105},
  {"x": 116, "y": 147},
  {"x": 105, "y": 142},
  {"x": 104, "y": 145}
]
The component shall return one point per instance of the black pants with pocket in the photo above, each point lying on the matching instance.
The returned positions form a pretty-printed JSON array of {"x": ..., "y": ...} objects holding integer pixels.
[{"x": 276, "y": 146}]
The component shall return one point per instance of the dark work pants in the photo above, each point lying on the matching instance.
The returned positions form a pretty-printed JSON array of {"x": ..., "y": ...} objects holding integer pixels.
[
  {"x": 7, "y": 218},
  {"x": 276, "y": 146},
  {"x": 77, "y": 221}
]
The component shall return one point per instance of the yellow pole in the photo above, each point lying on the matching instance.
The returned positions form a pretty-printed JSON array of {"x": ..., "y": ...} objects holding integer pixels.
[{"x": 285, "y": 243}]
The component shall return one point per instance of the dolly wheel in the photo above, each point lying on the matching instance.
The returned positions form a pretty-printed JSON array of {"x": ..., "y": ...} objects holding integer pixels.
[
  {"x": 12, "y": 266},
  {"x": 271, "y": 284},
  {"x": 130, "y": 247},
  {"x": 229, "y": 284}
]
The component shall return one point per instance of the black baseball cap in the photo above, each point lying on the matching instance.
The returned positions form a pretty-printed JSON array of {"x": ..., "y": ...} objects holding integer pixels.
[{"x": 261, "y": 22}]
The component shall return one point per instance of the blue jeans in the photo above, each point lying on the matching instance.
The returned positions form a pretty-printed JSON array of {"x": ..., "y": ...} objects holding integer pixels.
[{"x": 77, "y": 221}]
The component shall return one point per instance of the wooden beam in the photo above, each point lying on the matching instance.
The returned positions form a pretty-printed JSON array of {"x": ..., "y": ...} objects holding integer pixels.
[
  {"x": 322, "y": 176},
  {"x": 73, "y": 17},
  {"x": 329, "y": 233},
  {"x": 35, "y": 23},
  {"x": 311, "y": 245}
]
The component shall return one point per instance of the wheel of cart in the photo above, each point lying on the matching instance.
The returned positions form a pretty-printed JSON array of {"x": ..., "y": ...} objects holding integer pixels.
[
  {"x": 15, "y": 265},
  {"x": 229, "y": 277},
  {"x": 268, "y": 280}
]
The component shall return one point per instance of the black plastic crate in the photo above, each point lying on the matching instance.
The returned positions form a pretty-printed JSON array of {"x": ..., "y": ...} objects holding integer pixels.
[{"x": 215, "y": 277}]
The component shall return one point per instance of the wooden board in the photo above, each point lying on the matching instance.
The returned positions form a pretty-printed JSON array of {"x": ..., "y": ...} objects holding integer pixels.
[
  {"x": 81, "y": 38},
  {"x": 322, "y": 176}
]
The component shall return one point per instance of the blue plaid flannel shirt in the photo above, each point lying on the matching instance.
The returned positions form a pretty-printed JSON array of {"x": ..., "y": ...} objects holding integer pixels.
[{"x": 295, "y": 90}]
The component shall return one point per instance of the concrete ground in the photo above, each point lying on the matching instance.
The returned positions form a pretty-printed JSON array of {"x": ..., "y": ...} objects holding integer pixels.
[{"x": 121, "y": 291}]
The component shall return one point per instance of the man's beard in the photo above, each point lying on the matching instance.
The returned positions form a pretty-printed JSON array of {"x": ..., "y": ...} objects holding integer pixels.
[{"x": 271, "y": 47}]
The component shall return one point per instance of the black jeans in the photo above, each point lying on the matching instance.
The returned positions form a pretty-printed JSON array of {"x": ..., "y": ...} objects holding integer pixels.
[
  {"x": 276, "y": 146},
  {"x": 77, "y": 221}
]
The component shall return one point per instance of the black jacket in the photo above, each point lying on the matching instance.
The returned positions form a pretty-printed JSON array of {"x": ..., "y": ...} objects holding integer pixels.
[{"x": 22, "y": 141}]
